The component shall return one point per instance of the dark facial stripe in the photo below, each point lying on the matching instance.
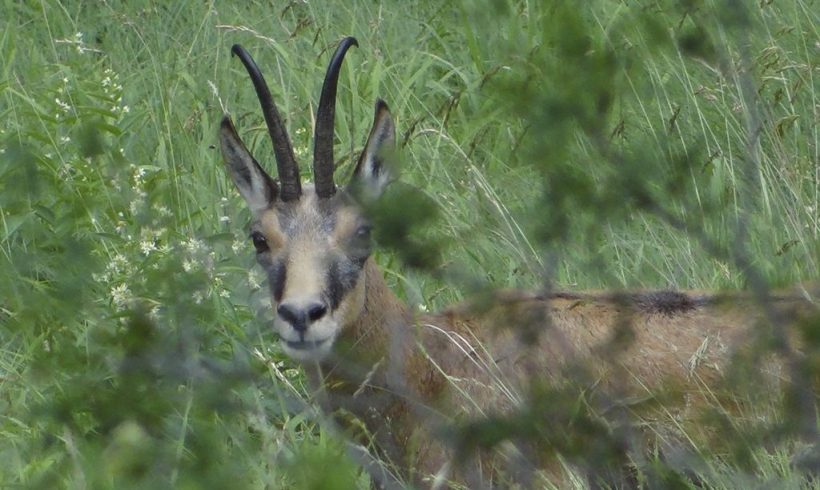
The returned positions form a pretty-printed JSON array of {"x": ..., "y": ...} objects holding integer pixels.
[
  {"x": 277, "y": 273},
  {"x": 342, "y": 275}
]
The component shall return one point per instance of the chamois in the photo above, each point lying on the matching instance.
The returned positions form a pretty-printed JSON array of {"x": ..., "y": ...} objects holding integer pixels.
[{"x": 402, "y": 373}]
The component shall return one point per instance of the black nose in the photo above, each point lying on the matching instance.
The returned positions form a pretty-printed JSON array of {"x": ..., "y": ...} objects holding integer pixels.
[
  {"x": 316, "y": 311},
  {"x": 301, "y": 316}
]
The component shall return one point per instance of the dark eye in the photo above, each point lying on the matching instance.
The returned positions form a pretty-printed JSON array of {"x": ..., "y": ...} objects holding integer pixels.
[
  {"x": 363, "y": 232},
  {"x": 259, "y": 242}
]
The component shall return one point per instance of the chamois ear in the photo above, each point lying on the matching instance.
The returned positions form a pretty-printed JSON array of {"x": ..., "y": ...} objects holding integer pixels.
[
  {"x": 256, "y": 186},
  {"x": 375, "y": 168}
]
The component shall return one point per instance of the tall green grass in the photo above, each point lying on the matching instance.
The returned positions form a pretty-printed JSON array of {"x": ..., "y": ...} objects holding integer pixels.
[{"x": 597, "y": 146}]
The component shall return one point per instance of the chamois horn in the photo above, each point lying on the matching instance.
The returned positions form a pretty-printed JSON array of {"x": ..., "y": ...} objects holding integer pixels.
[
  {"x": 286, "y": 165},
  {"x": 323, "y": 134}
]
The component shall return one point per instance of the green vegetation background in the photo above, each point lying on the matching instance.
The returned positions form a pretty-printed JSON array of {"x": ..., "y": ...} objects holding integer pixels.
[{"x": 595, "y": 144}]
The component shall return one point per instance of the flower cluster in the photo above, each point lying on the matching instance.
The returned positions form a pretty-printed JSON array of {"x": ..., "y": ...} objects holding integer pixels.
[
  {"x": 117, "y": 272},
  {"x": 150, "y": 258},
  {"x": 112, "y": 87}
]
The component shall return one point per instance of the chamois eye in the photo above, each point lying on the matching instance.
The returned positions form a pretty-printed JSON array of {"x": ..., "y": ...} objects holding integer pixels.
[
  {"x": 363, "y": 232},
  {"x": 259, "y": 242}
]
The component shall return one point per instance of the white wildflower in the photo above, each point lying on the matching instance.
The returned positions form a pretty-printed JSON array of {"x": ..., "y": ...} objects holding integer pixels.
[
  {"x": 147, "y": 246},
  {"x": 193, "y": 245},
  {"x": 198, "y": 297},
  {"x": 63, "y": 105},
  {"x": 188, "y": 265},
  {"x": 237, "y": 246},
  {"x": 225, "y": 294},
  {"x": 126, "y": 109},
  {"x": 117, "y": 265},
  {"x": 64, "y": 139},
  {"x": 104, "y": 277},
  {"x": 139, "y": 173},
  {"x": 120, "y": 296},
  {"x": 135, "y": 206},
  {"x": 162, "y": 210},
  {"x": 253, "y": 279},
  {"x": 224, "y": 219}
]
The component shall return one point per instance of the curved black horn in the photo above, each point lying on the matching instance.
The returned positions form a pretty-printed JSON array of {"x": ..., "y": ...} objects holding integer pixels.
[
  {"x": 285, "y": 160},
  {"x": 323, "y": 136}
]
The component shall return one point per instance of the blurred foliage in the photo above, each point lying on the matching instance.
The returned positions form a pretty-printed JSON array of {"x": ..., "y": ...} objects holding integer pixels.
[{"x": 400, "y": 218}]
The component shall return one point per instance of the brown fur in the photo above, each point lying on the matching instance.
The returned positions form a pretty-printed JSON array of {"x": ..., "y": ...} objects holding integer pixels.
[{"x": 401, "y": 376}]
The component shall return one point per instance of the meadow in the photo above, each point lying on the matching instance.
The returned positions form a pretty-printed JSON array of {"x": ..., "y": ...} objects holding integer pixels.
[{"x": 595, "y": 145}]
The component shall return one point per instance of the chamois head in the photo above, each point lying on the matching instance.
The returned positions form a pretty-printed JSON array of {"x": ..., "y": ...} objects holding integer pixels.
[{"x": 313, "y": 240}]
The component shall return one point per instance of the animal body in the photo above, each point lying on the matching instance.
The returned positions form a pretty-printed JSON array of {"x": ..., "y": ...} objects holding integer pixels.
[{"x": 403, "y": 375}]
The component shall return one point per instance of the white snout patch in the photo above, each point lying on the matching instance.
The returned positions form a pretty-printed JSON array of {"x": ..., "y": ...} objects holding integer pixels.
[{"x": 314, "y": 346}]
